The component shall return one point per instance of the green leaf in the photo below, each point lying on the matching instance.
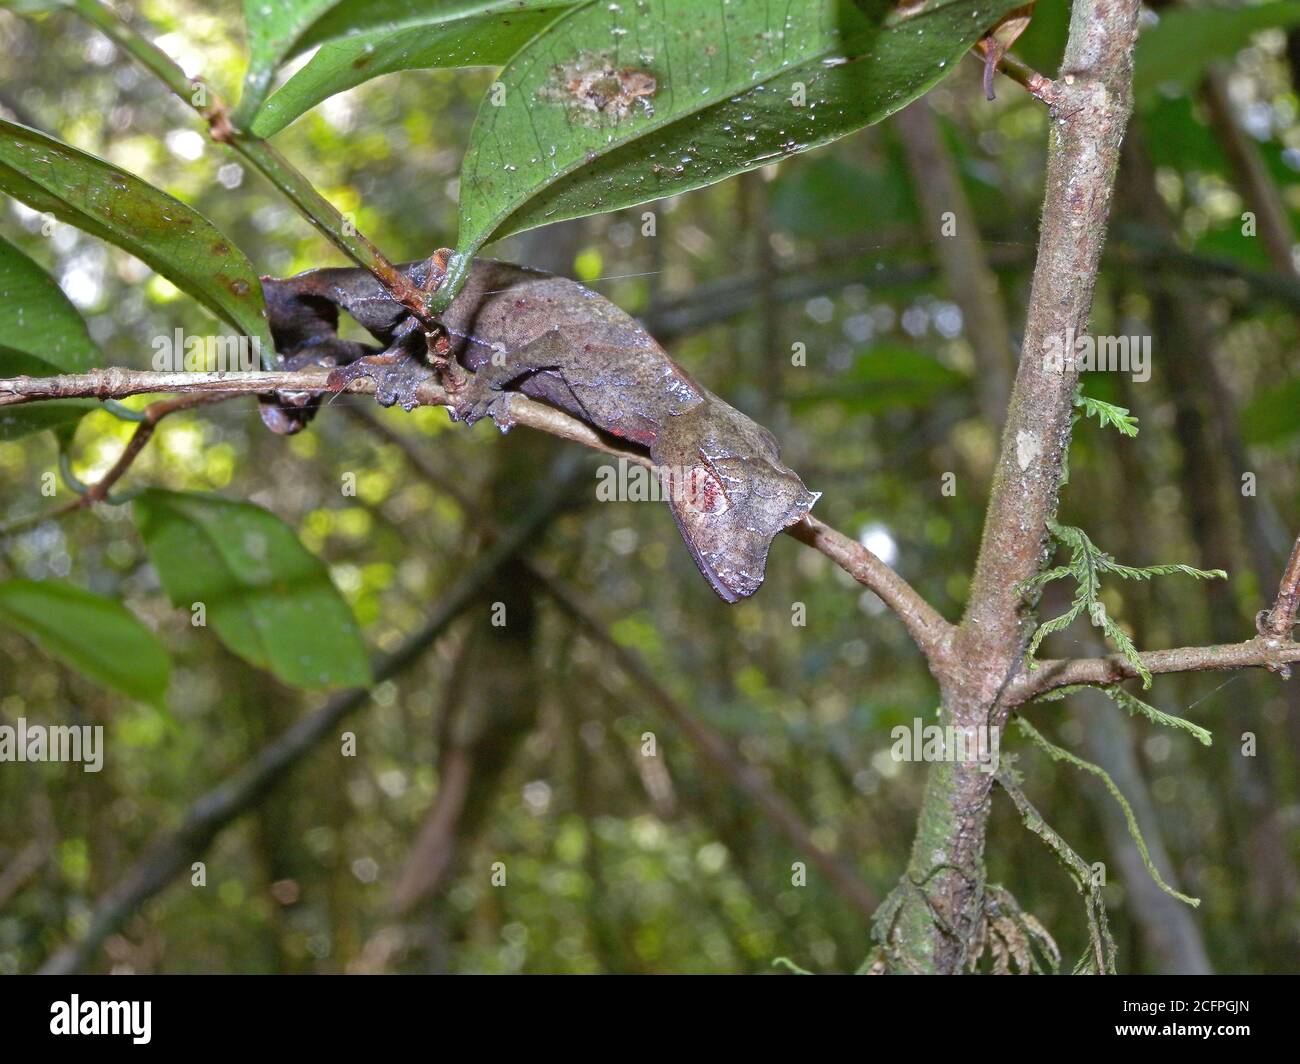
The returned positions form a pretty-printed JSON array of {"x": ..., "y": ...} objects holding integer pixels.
[
  {"x": 269, "y": 599},
  {"x": 36, "y": 317},
  {"x": 96, "y": 636},
  {"x": 277, "y": 31},
  {"x": 1135, "y": 705},
  {"x": 43, "y": 335},
  {"x": 119, "y": 207},
  {"x": 448, "y": 35},
  {"x": 1087, "y": 564},
  {"x": 615, "y": 105},
  {"x": 1177, "y": 51},
  {"x": 274, "y": 30}
]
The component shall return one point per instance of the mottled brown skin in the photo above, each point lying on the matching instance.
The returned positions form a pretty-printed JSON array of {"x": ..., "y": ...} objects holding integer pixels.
[{"x": 550, "y": 338}]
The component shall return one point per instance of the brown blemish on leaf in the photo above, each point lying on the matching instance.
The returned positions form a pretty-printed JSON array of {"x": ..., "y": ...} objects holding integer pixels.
[{"x": 592, "y": 86}]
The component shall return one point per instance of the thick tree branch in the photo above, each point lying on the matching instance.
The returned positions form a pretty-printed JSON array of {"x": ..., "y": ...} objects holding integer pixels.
[
  {"x": 1089, "y": 120},
  {"x": 940, "y": 902}
]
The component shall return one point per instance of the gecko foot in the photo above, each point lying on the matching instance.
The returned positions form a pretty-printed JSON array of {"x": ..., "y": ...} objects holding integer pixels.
[
  {"x": 479, "y": 400},
  {"x": 398, "y": 377}
]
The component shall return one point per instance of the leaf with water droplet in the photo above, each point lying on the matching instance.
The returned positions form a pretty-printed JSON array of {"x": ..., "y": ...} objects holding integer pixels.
[
  {"x": 849, "y": 64},
  {"x": 43, "y": 335}
]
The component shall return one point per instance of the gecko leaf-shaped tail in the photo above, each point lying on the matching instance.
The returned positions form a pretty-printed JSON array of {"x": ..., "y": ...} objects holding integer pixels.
[{"x": 729, "y": 491}]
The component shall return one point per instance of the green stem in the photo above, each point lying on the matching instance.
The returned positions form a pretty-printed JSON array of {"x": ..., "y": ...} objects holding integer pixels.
[{"x": 257, "y": 153}]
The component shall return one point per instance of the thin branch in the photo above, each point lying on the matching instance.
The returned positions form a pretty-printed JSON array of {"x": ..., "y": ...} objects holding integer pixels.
[
  {"x": 322, "y": 214},
  {"x": 98, "y": 492},
  {"x": 1272, "y": 649},
  {"x": 1261, "y": 652},
  {"x": 117, "y": 383},
  {"x": 926, "y": 626},
  {"x": 928, "y": 629},
  {"x": 1278, "y": 622},
  {"x": 1039, "y": 87}
]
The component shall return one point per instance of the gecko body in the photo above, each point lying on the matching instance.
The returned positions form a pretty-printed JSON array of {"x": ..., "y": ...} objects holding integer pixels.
[{"x": 515, "y": 329}]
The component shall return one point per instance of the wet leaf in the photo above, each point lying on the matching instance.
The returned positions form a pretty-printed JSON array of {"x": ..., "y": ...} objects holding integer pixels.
[
  {"x": 119, "y": 207},
  {"x": 280, "y": 30},
  {"x": 36, "y": 317},
  {"x": 43, "y": 335},
  {"x": 615, "y": 105}
]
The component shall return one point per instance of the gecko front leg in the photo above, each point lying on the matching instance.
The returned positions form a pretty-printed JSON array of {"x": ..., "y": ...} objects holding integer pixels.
[
  {"x": 399, "y": 371},
  {"x": 536, "y": 367}
]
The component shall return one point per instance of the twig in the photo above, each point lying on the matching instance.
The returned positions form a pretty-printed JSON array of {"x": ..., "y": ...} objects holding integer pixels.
[
  {"x": 258, "y": 153},
  {"x": 1278, "y": 622},
  {"x": 928, "y": 629},
  {"x": 98, "y": 492},
  {"x": 1261, "y": 652},
  {"x": 1040, "y": 87}
]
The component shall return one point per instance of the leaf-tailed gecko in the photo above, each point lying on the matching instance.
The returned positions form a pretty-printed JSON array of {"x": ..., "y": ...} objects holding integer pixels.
[{"x": 521, "y": 330}]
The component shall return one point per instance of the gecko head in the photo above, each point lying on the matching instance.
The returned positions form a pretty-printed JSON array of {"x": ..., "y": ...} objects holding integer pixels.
[{"x": 730, "y": 493}]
